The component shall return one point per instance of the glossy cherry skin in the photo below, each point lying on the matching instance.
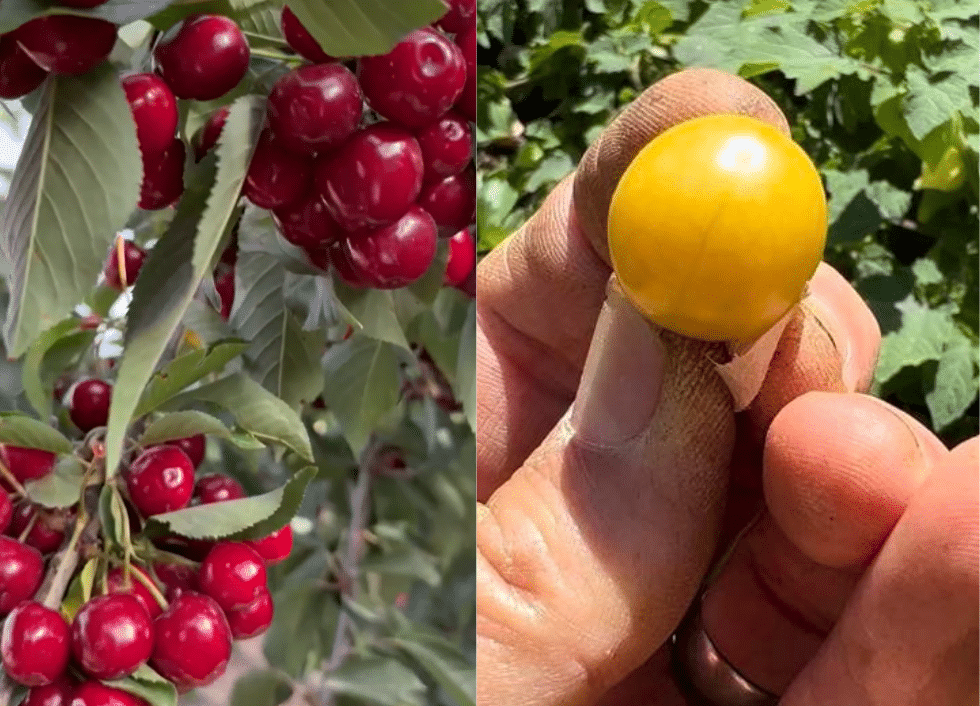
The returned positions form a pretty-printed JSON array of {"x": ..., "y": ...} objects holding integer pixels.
[
  {"x": 233, "y": 574},
  {"x": 133, "y": 256},
  {"x": 57, "y": 693},
  {"x": 67, "y": 44},
  {"x": 217, "y": 488},
  {"x": 461, "y": 16},
  {"x": 160, "y": 480},
  {"x": 47, "y": 531},
  {"x": 252, "y": 619},
  {"x": 207, "y": 137},
  {"x": 6, "y": 511},
  {"x": 34, "y": 644},
  {"x": 193, "y": 641},
  {"x": 447, "y": 146},
  {"x": 396, "y": 255},
  {"x": 154, "y": 109},
  {"x": 416, "y": 82},
  {"x": 307, "y": 224},
  {"x": 301, "y": 41},
  {"x": 19, "y": 75},
  {"x": 193, "y": 446},
  {"x": 314, "y": 108},
  {"x": 466, "y": 103},
  {"x": 27, "y": 464},
  {"x": 276, "y": 547},
  {"x": 276, "y": 177},
  {"x": 116, "y": 581},
  {"x": 21, "y": 570},
  {"x": 225, "y": 286},
  {"x": 93, "y": 693},
  {"x": 163, "y": 178},
  {"x": 373, "y": 178},
  {"x": 204, "y": 58},
  {"x": 451, "y": 202},
  {"x": 462, "y": 258},
  {"x": 176, "y": 579},
  {"x": 112, "y": 636},
  {"x": 88, "y": 403}
]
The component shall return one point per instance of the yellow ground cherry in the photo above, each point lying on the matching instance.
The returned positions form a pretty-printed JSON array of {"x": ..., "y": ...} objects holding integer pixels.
[{"x": 716, "y": 227}]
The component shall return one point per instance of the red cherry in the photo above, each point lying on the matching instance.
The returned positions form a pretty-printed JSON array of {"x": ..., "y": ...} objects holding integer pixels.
[
  {"x": 88, "y": 403},
  {"x": 163, "y": 178},
  {"x": 154, "y": 110},
  {"x": 466, "y": 103},
  {"x": 276, "y": 177},
  {"x": 373, "y": 178},
  {"x": 27, "y": 464},
  {"x": 193, "y": 446},
  {"x": 67, "y": 44},
  {"x": 112, "y": 636},
  {"x": 350, "y": 273},
  {"x": 307, "y": 224},
  {"x": 176, "y": 578},
  {"x": 57, "y": 693},
  {"x": 133, "y": 256},
  {"x": 19, "y": 75},
  {"x": 83, "y": 3},
  {"x": 451, "y": 202},
  {"x": 462, "y": 258},
  {"x": 461, "y": 16},
  {"x": 116, "y": 583},
  {"x": 193, "y": 641},
  {"x": 276, "y": 547},
  {"x": 93, "y": 693},
  {"x": 301, "y": 41},
  {"x": 233, "y": 574},
  {"x": 417, "y": 81},
  {"x": 160, "y": 480},
  {"x": 217, "y": 488},
  {"x": 447, "y": 146},
  {"x": 253, "y": 619},
  {"x": 6, "y": 511},
  {"x": 207, "y": 137},
  {"x": 319, "y": 257},
  {"x": 204, "y": 58},
  {"x": 34, "y": 644},
  {"x": 225, "y": 286},
  {"x": 47, "y": 531},
  {"x": 314, "y": 108},
  {"x": 21, "y": 568},
  {"x": 396, "y": 255}
]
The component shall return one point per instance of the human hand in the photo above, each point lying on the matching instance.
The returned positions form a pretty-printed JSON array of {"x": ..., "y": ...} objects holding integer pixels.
[{"x": 857, "y": 583}]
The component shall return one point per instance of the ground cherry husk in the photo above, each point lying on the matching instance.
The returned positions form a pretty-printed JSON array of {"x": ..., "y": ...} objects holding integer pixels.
[{"x": 716, "y": 226}]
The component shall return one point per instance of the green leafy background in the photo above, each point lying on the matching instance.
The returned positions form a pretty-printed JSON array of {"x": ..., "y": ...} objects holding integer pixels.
[{"x": 882, "y": 94}]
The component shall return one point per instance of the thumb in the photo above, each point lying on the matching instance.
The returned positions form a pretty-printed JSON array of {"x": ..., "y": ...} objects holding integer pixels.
[{"x": 589, "y": 555}]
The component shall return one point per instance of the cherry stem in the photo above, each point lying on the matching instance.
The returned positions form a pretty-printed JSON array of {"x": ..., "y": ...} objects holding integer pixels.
[
  {"x": 276, "y": 56},
  {"x": 30, "y": 525},
  {"x": 12, "y": 480},
  {"x": 121, "y": 261},
  {"x": 153, "y": 589}
]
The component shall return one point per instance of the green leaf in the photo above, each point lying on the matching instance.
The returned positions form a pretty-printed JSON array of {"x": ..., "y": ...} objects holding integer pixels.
[
  {"x": 403, "y": 559},
  {"x": 179, "y": 425},
  {"x": 932, "y": 100},
  {"x": 111, "y": 514},
  {"x": 362, "y": 386},
  {"x": 447, "y": 667},
  {"x": 20, "y": 430},
  {"x": 255, "y": 409},
  {"x": 265, "y": 688},
  {"x": 466, "y": 367},
  {"x": 179, "y": 261},
  {"x": 148, "y": 685},
  {"x": 376, "y": 680},
  {"x": 76, "y": 182},
  {"x": 922, "y": 337},
  {"x": 299, "y": 605},
  {"x": 60, "y": 488},
  {"x": 56, "y": 350},
  {"x": 956, "y": 383},
  {"x": 186, "y": 370},
  {"x": 361, "y": 27},
  {"x": 249, "y": 518},
  {"x": 371, "y": 312}
]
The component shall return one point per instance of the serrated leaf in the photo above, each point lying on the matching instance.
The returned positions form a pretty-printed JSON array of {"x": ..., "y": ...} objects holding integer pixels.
[
  {"x": 265, "y": 688},
  {"x": 148, "y": 685},
  {"x": 362, "y": 27},
  {"x": 60, "y": 488},
  {"x": 20, "y": 430},
  {"x": 178, "y": 425},
  {"x": 179, "y": 261},
  {"x": 371, "y": 312},
  {"x": 206, "y": 323},
  {"x": 248, "y": 518},
  {"x": 466, "y": 367},
  {"x": 932, "y": 100},
  {"x": 76, "y": 182},
  {"x": 362, "y": 386},
  {"x": 955, "y": 387},
  {"x": 186, "y": 370},
  {"x": 14, "y": 13},
  {"x": 376, "y": 680},
  {"x": 451, "y": 671},
  {"x": 56, "y": 350},
  {"x": 255, "y": 409},
  {"x": 922, "y": 337}
]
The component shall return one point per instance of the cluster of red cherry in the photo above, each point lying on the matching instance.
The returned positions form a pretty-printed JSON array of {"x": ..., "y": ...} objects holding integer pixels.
[
  {"x": 369, "y": 197},
  {"x": 179, "y": 611}
]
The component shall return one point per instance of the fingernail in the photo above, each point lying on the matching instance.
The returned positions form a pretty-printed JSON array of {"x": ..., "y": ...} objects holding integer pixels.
[
  {"x": 623, "y": 375},
  {"x": 831, "y": 323}
]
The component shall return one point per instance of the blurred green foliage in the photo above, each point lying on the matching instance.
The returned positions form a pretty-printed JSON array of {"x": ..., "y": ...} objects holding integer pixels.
[{"x": 883, "y": 95}]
